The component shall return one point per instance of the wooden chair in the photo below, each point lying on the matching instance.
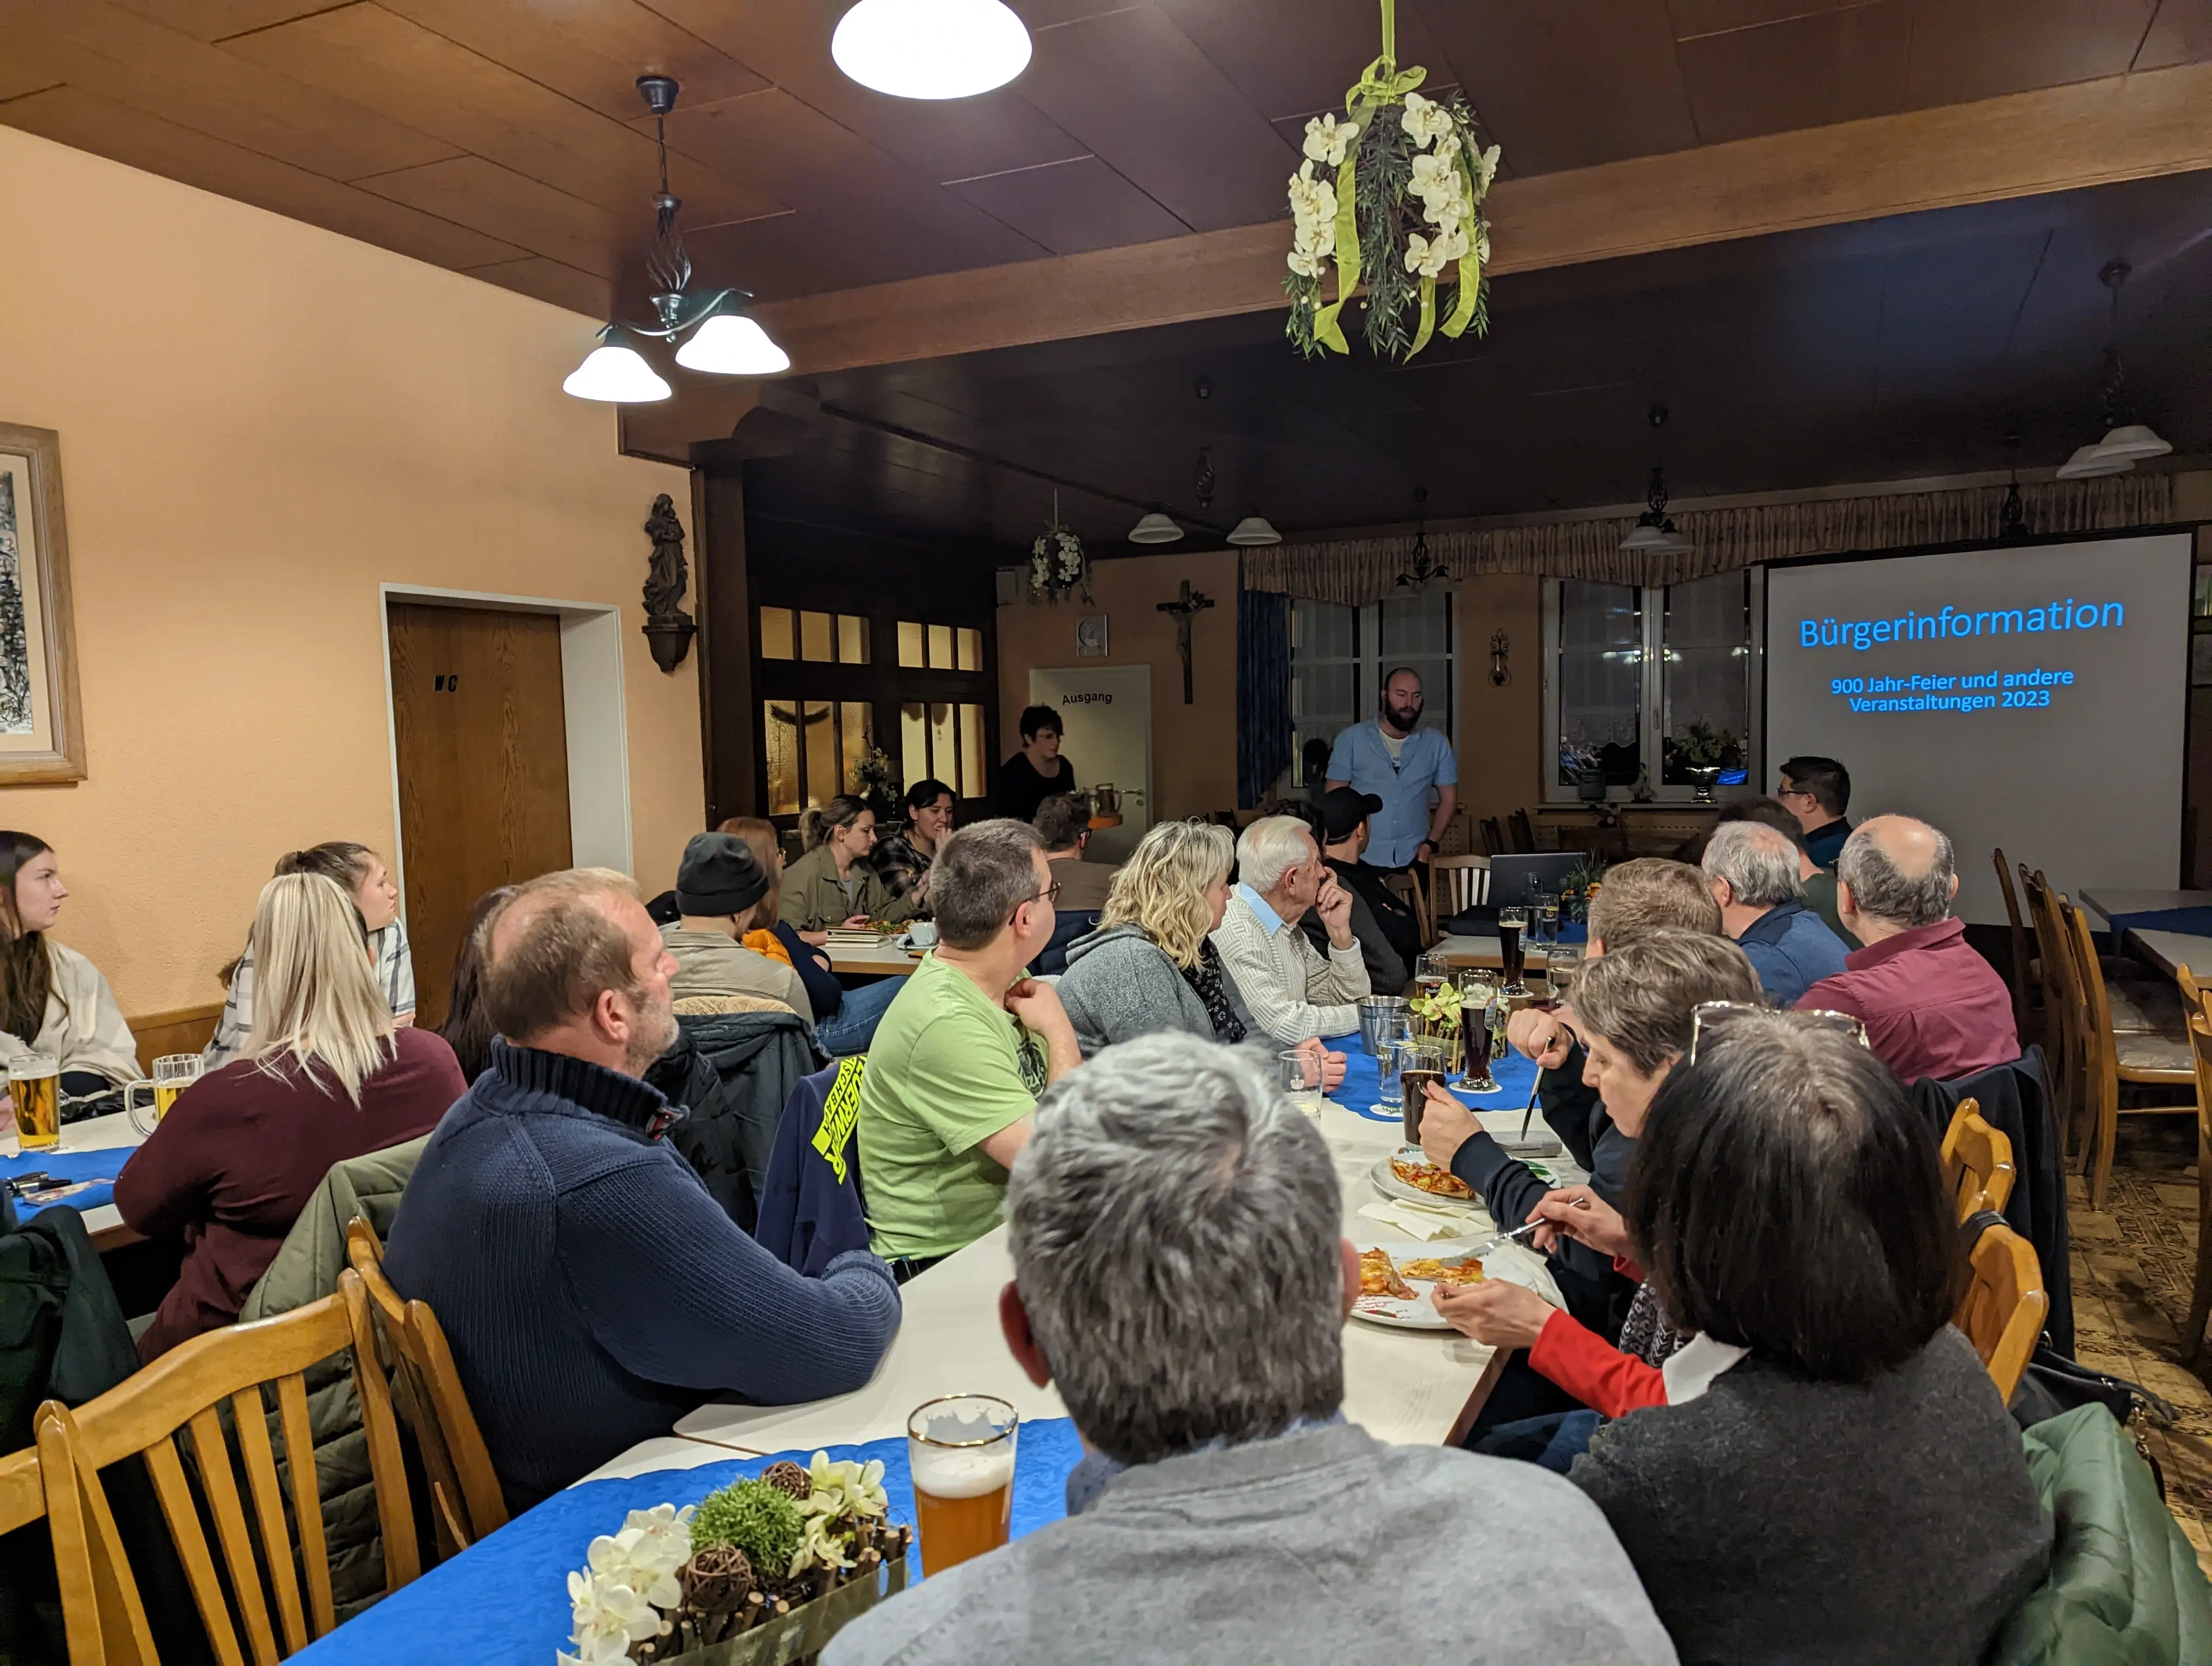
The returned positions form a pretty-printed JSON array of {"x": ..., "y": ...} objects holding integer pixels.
[
  {"x": 1456, "y": 884},
  {"x": 1493, "y": 838},
  {"x": 1407, "y": 886},
  {"x": 1524, "y": 835},
  {"x": 2054, "y": 961},
  {"x": 464, "y": 1489},
  {"x": 2108, "y": 1059},
  {"x": 2005, "y": 1307},
  {"x": 190, "y": 1387},
  {"x": 1977, "y": 1162},
  {"x": 2026, "y": 973},
  {"x": 2200, "y": 1294}
]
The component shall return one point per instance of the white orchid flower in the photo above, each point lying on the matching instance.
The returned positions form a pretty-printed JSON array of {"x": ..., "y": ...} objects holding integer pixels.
[
  {"x": 1433, "y": 177},
  {"x": 608, "y": 1617},
  {"x": 1327, "y": 139},
  {"x": 665, "y": 1535},
  {"x": 1482, "y": 242},
  {"x": 1423, "y": 257},
  {"x": 1486, "y": 168},
  {"x": 1305, "y": 265},
  {"x": 626, "y": 1559},
  {"x": 1424, "y": 120}
]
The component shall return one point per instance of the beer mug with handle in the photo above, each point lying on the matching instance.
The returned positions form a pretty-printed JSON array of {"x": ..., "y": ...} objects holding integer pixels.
[
  {"x": 960, "y": 1452},
  {"x": 172, "y": 1073}
]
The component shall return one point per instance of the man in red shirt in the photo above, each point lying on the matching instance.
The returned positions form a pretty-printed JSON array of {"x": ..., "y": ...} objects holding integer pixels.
[{"x": 1931, "y": 1005}]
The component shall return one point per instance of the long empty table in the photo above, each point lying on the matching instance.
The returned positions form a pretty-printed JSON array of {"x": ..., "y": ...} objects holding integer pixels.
[
  {"x": 2108, "y": 901},
  {"x": 2172, "y": 950}
]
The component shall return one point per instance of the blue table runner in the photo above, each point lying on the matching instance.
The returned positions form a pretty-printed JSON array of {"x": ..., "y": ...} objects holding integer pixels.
[
  {"x": 100, "y": 1168},
  {"x": 1360, "y": 1092},
  {"x": 505, "y": 1598}
]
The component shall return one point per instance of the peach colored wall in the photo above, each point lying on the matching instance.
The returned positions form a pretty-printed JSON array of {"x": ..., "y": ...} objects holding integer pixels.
[
  {"x": 1500, "y": 729},
  {"x": 1194, "y": 746},
  {"x": 261, "y": 423}
]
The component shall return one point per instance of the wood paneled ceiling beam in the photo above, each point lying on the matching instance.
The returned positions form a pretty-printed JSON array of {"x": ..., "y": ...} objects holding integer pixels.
[{"x": 2060, "y": 138}]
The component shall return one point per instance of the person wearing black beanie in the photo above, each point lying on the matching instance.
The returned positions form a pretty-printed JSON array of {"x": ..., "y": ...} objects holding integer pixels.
[{"x": 722, "y": 892}]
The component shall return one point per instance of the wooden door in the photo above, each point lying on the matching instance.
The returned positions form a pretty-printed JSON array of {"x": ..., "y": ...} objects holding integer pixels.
[{"x": 483, "y": 769}]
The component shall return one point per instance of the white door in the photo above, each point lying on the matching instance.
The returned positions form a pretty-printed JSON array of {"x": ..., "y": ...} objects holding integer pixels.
[{"x": 1106, "y": 733}]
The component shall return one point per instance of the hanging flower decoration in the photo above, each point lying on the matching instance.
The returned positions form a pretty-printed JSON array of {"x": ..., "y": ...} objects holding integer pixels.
[
  {"x": 1058, "y": 566},
  {"x": 1391, "y": 196}
]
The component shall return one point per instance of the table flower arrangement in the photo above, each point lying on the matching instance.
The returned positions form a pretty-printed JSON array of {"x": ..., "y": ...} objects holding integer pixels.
[
  {"x": 763, "y": 1570},
  {"x": 1436, "y": 1018},
  {"x": 1391, "y": 195}
]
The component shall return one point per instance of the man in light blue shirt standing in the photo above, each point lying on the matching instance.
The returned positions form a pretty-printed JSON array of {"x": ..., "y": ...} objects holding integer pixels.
[{"x": 1391, "y": 757}]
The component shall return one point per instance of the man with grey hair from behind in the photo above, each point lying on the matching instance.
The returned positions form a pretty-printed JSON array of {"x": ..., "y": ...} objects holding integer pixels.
[
  {"x": 1179, "y": 1275},
  {"x": 1753, "y": 870},
  {"x": 1931, "y": 1005},
  {"x": 1291, "y": 991}
]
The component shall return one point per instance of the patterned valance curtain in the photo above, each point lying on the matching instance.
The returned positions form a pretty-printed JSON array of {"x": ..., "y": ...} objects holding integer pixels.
[
  {"x": 1354, "y": 572},
  {"x": 1263, "y": 692}
]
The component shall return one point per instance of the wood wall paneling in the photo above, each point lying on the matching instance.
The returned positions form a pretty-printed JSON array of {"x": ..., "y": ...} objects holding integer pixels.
[
  {"x": 186, "y": 1030},
  {"x": 483, "y": 769},
  {"x": 726, "y": 648}
]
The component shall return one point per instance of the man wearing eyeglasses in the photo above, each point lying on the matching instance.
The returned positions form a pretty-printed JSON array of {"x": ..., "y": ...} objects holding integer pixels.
[
  {"x": 1817, "y": 791},
  {"x": 1394, "y": 759},
  {"x": 963, "y": 1050}
]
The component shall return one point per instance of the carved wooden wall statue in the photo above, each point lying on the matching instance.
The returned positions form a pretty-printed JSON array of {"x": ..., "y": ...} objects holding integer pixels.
[{"x": 668, "y": 627}]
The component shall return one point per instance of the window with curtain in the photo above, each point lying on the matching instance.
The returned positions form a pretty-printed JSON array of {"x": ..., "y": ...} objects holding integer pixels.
[{"x": 1339, "y": 656}]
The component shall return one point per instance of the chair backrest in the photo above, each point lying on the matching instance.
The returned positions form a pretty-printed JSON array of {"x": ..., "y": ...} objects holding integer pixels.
[
  {"x": 2005, "y": 1306},
  {"x": 1493, "y": 838},
  {"x": 1977, "y": 1162},
  {"x": 1406, "y": 885},
  {"x": 2200, "y": 1053},
  {"x": 2196, "y": 1001},
  {"x": 2060, "y": 1037},
  {"x": 1456, "y": 884},
  {"x": 2093, "y": 1008},
  {"x": 213, "y": 1380},
  {"x": 464, "y": 1489},
  {"x": 1524, "y": 836},
  {"x": 713, "y": 1005},
  {"x": 2019, "y": 955}
]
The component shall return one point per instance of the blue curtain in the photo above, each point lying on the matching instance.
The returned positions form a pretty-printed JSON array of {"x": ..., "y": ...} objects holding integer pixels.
[{"x": 1263, "y": 692}]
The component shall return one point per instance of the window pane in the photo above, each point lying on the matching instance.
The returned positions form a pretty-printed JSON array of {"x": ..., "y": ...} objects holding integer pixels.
[
  {"x": 971, "y": 751},
  {"x": 1600, "y": 681},
  {"x": 1323, "y": 631},
  {"x": 814, "y": 637},
  {"x": 914, "y": 743},
  {"x": 776, "y": 633},
  {"x": 857, "y": 718},
  {"x": 1706, "y": 676},
  {"x": 944, "y": 761},
  {"x": 940, "y": 647},
  {"x": 970, "y": 643},
  {"x": 821, "y": 754},
  {"x": 782, "y": 724},
  {"x": 852, "y": 640},
  {"x": 910, "y": 643},
  {"x": 1413, "y": 626}
]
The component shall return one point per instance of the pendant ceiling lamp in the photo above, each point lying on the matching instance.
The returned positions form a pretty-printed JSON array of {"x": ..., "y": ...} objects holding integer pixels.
[
  {"x": 1253, "y": 531},
  {"x": 1654, "y": 533},
  {"x": 720, "y": 339},
  {"x": 931, "y": 49},
  {"x": 1155, "y": 528},
  {"x": 2126, "y": 442}
]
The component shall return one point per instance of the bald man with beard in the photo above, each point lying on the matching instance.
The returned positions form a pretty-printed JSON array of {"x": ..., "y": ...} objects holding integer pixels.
[{"x": 1931, "y": 1005}]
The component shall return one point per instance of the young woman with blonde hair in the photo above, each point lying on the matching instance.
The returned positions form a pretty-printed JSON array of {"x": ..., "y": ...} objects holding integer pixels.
[
  {"x": 833, "y": 885},
  {"x": 325, "y": 1075},
  {"x": 1151, "y": 965}
]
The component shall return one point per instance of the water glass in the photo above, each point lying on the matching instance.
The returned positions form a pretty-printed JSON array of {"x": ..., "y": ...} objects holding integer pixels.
[
  {"x": 1563, "y": 964},
  {"x": 1390, "y": 1093},
  {"x": 1299, "y": 1077}
]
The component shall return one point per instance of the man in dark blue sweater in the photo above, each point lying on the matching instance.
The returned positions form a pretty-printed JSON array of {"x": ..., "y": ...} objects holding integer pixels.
[{"x": 591, "y": 1288}]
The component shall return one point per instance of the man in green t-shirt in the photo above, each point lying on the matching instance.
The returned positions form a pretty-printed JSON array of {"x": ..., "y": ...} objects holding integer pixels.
[{"x": 963, "y": 1050}]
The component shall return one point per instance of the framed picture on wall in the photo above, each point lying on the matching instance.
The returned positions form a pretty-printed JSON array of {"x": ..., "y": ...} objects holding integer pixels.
[{"x": 41, "y": 722}]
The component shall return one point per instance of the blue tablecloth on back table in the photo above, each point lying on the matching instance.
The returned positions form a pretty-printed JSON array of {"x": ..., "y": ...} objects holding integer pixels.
[
  {"x": 2189, "y": 923},
  {"x": 99, "y": 1167},
  {"x": 1514, "y": 1076},
  {"x": 505, "y": 1599}
]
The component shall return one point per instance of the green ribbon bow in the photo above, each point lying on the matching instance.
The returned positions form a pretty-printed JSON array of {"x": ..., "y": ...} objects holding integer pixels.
[{"x": 1381, "y": 84}]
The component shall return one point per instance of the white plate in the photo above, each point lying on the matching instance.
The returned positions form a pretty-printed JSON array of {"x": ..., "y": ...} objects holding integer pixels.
[
  {"x": 1398, "y": 1313},
  {"x": 1390, "y": 1186}
]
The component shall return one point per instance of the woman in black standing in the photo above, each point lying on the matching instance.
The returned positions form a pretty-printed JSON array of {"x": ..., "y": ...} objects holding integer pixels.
[{"x": 1036, "y": 772}]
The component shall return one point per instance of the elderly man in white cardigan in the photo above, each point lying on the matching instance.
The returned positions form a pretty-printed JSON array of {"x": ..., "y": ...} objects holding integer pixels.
[{"x": 1290, "y": 990}]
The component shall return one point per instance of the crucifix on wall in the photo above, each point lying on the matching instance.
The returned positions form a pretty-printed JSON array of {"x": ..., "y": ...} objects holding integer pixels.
[{"x": 1187, "y": 607}]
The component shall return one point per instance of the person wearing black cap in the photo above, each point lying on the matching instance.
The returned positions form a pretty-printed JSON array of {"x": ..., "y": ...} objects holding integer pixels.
[
  {"x": 1389, "y": 937},
  {"x": 721, "y": 893}
]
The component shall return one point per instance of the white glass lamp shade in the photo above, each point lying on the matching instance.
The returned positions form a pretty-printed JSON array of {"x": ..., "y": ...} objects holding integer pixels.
[
  {"x": 2133, "y": 442},
  {"x": 1661, "y": 540},
  {"x": 2089, "y": 462},
  {"x": 931, "y": 49},
  {"x": 1254, "y": 529},
  {"x": 731, "y": 344},
  {"x": 1155, "y": 528},
  {"x": 617, "y": 373}
]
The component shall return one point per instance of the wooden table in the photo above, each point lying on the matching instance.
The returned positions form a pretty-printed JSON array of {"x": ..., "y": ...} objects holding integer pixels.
[
  {"x": 880, "y": 959},
  {"x": 104, "y": 1225},
  {"x": 1403, "y": 1386},
  {"x": 2107, "y": 901}
]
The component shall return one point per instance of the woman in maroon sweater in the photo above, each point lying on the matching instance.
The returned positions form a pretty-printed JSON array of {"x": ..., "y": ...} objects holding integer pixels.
[{"x": 325, "y": 1077}]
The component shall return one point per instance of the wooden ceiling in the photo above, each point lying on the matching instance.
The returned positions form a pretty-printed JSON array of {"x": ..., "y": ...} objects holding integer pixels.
[
  {"x": 505, "y": 138},
  {"x": 1897, "y": 348}
]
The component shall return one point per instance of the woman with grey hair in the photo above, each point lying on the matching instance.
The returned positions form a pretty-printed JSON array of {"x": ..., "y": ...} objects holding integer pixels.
[{"x": 1152, "y": 966}]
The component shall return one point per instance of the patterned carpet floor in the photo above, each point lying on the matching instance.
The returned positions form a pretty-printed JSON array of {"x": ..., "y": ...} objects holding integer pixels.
[{"x": 2134, "y": 1262}]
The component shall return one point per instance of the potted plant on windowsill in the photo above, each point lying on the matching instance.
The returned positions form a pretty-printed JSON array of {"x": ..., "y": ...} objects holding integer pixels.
[{"x": 1703, "y": 752}]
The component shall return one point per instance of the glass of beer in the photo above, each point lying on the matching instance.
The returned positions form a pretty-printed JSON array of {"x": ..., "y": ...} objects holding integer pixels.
[
  {"x": 1511, "y": 924},
  {"x": 1421, "y": 1062},
  {"x": 1478, "y": 1000},
  {"x": 960, "y": 1450},
  {"x": 1562, "y": 962},
  {"x": 35, "y": 1083},
  {"x": 1430, "y": 972},
  {"x": 172, "y": 1073}
]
